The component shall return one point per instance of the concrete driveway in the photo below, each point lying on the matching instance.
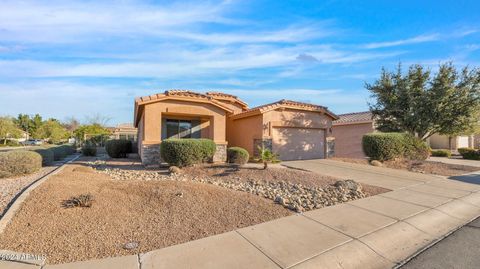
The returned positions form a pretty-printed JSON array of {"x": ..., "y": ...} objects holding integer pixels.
[
  {"x": 455, "y": 160},
  {"x": 392, "y": 179}
]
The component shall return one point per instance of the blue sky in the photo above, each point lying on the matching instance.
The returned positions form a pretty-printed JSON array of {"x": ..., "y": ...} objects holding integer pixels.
[{"x": 80, "y": 58}]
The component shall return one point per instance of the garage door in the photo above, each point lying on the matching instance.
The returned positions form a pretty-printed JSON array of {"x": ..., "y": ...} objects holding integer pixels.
[
  {"x": 298, "y": 143},
  {"x": 462, "y": 142}
]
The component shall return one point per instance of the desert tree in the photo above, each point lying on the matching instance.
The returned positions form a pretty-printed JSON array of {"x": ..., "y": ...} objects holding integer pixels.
[
  {"x": 423, "y": 104},
  {"x": 8, "y": 129}
]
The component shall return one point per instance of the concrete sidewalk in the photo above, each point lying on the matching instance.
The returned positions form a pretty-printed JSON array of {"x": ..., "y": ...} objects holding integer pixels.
[{"x": 376, "y": 232}]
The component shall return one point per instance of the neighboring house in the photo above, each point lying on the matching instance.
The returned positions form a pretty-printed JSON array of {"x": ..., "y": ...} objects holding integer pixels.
[
  {"x": 125, "y": 131},
  {"x": 294, "y": 130},
  {"x": 437, "y": 141},
  {"x": 348, "y": 131}
]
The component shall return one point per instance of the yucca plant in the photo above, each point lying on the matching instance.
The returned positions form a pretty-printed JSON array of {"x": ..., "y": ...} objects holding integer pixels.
[{"x": 266, "y": 156}]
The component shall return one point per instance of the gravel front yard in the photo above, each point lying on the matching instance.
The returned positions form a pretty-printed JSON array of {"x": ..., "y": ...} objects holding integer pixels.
[
  {"x": 425, "y": 167},
  {"x": 155, "y": 214},
  {"x": 152, "y": 208},
  {"x": 11, "y": 187}
]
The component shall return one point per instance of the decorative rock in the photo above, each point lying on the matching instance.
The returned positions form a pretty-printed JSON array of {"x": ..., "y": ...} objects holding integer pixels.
[
  {"x": 348, "y": 184},
  {"x": 376, "y": 163},
  {"x": 296, "y": 197},
  {"x": 174, "y": 170},
  {"x": 131, "y": 245}
]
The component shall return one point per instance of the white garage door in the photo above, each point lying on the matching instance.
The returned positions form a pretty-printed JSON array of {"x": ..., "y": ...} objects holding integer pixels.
[
  {"x": 462, "y": 142},
  {"x": 298, "y": 143}
]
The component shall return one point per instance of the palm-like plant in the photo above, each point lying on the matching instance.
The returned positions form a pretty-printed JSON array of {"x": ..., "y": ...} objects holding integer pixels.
[{"x": 266, "y": 156}]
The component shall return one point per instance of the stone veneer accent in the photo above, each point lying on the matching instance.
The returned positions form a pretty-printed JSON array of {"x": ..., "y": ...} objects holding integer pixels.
[
  {"x": 265, "y": 143},
  {"x": 330, "y": 152},
  {"x": 220, "y": 154},
  {"x": 151, "y": 154}
]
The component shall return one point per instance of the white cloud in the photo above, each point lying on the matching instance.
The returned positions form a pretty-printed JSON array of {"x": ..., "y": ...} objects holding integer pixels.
[
  {"x": 408, "y": 41},
  {"x": 68, "y": 21},
  {"x": 60, "y": 99}
]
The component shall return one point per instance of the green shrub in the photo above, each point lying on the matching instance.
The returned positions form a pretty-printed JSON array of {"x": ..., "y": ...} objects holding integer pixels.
[
  {"x": 118, "y": 148},
  {"x": 19, "y": 162},
  {"x": 465, "y": 150},
  {"x": 415, "y": 149},
  {"x": 237, "y": 155},
  {"x": 388, "y": 146},
  {"x": 59, "y": 152},
  {"x": 384, "y": 146},
  {"x": 69, "y": 149},
  {"x": 89, "y": 149},
  {"x": 185, "y": 152},
  {"x": 48, "y": 156},
  {"x": 441, "y": 153},
  {"x": 469, "y": 153}
]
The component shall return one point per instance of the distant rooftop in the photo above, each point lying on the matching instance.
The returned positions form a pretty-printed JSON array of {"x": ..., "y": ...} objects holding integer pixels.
[{"x": 356, "y": 117}]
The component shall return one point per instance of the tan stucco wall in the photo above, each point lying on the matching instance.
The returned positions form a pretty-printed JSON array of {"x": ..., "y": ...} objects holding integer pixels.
[
  {"x": 294, "y": 118},
  {"x": 140, "y": 135},
  {"x": 437, "y": 141},
  {"x": 153, "y": 113},
  {"x": 348, "y": 139},
  {"x": 235, "y": 107},
  {"x": 242, "y": 132}
]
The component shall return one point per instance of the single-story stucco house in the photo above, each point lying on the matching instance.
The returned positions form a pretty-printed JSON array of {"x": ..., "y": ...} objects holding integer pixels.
[
  {"x": 349, "y": 129},
  {"x": 294, "y": 130}
]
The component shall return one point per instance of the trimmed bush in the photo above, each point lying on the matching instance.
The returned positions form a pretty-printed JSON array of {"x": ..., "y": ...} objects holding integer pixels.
[
  {"x": 441, "y": 153},
  {"x": 89, "y": 150},
  {"x": 69, "y": 149},
  {"x": 465, "y": 150},
  {"x": 19, "y": 162},
  {"x": 59, "y": 153},
  {"x": 237, "y": 155},
  {"x": 185, "y": 152},
  {"x": 118, "y": 148},
  {"x": 388, "y": 146},
  {"x": 415, "y": 149},
  {"x": 469, "y": 153},
  {"x": 384, "y": 146},
  {"x": 48, "y": 156}
]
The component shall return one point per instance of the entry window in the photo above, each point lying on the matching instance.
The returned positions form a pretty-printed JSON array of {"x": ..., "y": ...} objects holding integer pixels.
[{"x": 179, "y": 128}]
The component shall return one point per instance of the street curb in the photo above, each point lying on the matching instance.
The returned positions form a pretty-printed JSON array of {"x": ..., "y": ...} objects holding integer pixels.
[
  {"x": 15, "y": 206},
  {"x": 431, "y": 244}
]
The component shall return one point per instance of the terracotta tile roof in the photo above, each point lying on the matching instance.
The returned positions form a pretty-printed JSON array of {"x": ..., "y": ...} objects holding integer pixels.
[
  {"x": 286, "y": 104},
  {"x": 226, "y": 96},
  {"x": 355, "y": 117},
  {"x": 182, "y": 94},
  {"x": 186, "y": 93},
  {"x": 221, "y": 94}
]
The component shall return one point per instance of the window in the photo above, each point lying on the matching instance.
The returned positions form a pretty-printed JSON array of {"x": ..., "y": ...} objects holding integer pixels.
[{"x": 179, "y": 128}]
